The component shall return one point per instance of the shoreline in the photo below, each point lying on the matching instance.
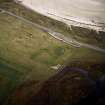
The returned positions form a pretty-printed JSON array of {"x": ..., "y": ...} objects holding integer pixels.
[{"x": 71, "y": 21}]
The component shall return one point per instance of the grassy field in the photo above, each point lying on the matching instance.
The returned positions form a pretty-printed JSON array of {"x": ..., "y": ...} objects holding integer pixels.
[
  {"x": 27, "y": 47},
  {"x": 28, "y": 53}
]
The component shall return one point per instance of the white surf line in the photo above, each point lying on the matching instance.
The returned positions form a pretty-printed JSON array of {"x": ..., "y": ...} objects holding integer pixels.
[
  {"x": 96, "y": 27},
  {"x": 56, "y": 35}
]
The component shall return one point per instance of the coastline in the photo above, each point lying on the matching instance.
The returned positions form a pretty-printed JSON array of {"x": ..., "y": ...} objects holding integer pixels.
[{"x": 69, "y": 20}]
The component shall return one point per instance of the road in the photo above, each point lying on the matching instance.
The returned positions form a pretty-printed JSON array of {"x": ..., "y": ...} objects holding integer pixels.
[{"x": 56, "y": 35}]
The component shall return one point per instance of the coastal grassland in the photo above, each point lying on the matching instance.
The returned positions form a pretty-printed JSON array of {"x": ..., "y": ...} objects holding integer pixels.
[
  {"x": 24, "y": 44},
  {"x": 28, "y": 53},
  {"x": 29, "y": 49},
  {"x": 34, "y": 52},
  {"x": 79, "y": 33}
]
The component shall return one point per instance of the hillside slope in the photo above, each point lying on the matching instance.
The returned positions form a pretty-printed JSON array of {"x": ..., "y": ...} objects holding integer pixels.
[{"x": 29, "y": 56}]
